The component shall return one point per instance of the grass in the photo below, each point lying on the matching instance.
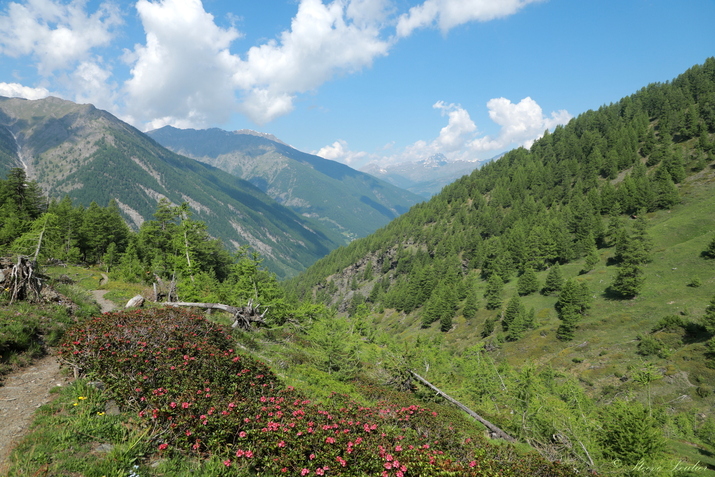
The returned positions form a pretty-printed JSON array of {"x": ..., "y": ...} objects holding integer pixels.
[{"x": 74, "y": 435}]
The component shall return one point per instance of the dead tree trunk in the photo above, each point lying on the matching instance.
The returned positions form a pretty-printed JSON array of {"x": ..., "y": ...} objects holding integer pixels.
[
  {"x": 244, "y": 317},
  {"x": 22, "y": 280},
  {"x": 496, "y": 431}
]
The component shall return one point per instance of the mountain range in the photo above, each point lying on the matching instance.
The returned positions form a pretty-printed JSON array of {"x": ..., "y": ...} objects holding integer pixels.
[
  {"x": 350, "y": 203},
  {"x": 89, "y": 155},
  {"x": 425, "y": 178}
]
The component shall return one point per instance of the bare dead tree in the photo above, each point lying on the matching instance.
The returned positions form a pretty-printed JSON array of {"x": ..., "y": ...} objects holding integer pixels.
[
  {"x": 22, "y": 280},
  {"x": 244, "y": 317}
]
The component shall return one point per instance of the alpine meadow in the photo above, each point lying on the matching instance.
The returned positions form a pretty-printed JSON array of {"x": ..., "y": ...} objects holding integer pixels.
[{"x": 551, "y": 314}]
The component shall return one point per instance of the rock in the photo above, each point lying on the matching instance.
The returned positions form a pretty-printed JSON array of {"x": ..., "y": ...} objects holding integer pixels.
[
  {"x": 137, "y": 301},
  {"x": 111, "y": 408},
  {"x": 103, "y": 448},
  {"x": 65, "y": 279}
]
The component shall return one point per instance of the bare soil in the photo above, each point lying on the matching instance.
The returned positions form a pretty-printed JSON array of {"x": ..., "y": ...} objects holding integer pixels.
[
  {"x": 27, "y": 389},
  {"x": 23, "y": 392}
]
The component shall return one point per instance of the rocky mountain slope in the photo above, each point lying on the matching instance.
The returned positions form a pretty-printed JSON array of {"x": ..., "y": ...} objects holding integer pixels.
[
  {"x": 90, "y": 155},
  {"x": 349, "y": 202}
]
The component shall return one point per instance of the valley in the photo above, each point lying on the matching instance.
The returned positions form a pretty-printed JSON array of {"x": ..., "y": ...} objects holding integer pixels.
[{"x": 564, "y": 292}]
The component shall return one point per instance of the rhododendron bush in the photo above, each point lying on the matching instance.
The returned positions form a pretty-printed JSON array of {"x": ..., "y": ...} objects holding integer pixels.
[{"x": 183, "y": 378}]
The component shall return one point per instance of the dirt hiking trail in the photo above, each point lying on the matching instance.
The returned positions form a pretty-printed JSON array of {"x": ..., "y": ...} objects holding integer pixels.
[{"x": 27, "y": 389}]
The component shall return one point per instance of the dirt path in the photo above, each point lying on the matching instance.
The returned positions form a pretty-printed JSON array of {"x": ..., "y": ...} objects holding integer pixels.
[
  {"x": 98, "y": 295},
  {"x": 29, "y": 388},
  {"x": 105, "y": 304},
  {"x": 23, "y": 392}
]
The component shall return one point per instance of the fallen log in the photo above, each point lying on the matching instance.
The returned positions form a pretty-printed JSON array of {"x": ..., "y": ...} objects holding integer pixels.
[
  {"x": 244, "y": 317},
  {"x": 494, "y": 430}
]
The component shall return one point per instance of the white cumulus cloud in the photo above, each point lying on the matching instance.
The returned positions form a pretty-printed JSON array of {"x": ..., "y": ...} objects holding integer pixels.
[
  {"x": 447, "y": 14},
  {"x": 16, "y": 90},
  {"x": 183, "y": 72},
  {"x": 521, "y": 124},
  {"x": 56, "y": 34},
  {"x": 339, "y": 151},
  {"x": 186, "y": 72},
  {"x": 324, "y": 40}
]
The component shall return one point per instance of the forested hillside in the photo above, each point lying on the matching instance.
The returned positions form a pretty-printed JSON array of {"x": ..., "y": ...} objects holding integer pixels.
[
  {"x": 565, "y": 286},
  {"x": 567, "y": 197}
]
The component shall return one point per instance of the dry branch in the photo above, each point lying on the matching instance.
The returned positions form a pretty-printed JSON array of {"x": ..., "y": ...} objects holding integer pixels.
[
  {"x": 495, "y": 431},
  {"x": 243, "y": 317}
]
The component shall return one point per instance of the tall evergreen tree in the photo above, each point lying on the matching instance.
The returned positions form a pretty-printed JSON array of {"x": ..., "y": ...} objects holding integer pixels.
[
  {"x": 528, "y": 283},
  {"x": 554, "y": 280},
  {"x": 709, "y": 251},
  {"x": 493, "y": 292},
  {"x": 709, "y": 317},
  {"x": 470, "y": 305}
]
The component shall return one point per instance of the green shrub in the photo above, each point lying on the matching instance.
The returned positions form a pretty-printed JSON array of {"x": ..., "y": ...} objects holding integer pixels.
[
  {"x": 650, "y": 345},
  {"x": 670, "y": 324},
  {"x": 197, "y": 396},
  {"x": 630, "y": 433},
  {"x": 703, "y": 391},
  {"x": 695, "y": 283}
]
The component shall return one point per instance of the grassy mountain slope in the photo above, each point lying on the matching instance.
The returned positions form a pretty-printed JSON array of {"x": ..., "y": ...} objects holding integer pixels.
[
  {"x": 351, "y": 203},
  {"x": 647, "y": 159},
  {"x": 90, "y": 155}
]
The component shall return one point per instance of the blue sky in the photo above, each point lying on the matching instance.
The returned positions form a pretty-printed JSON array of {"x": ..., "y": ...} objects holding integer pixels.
[{"x": 357, "y": 81}]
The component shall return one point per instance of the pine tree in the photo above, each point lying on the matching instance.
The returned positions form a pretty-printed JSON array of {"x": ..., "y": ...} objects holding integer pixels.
[
  {"x": 445, "y": 323},
  {"x": 513, "y": 309},
  {"x": 493, "y": 292},
  {"x": 554, "y": 280},
  {"x": 709, "y": 252},
  {"x": 489, "y": 325},
  {"x": 527, "y": 283},
  {"x": 629, "y": 280},
  {"x": 573, "y": 302},
  {"x": 470, "y": 306},
  {"x": 591, "y": 261},
  {"x": 709, "y": 317}
]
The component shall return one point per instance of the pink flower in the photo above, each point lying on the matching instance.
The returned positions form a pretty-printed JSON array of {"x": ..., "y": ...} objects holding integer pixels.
[
  {"x": 330, "y": 440},
  {"x": 163, "y": 446},
  {"x": 242, "y": 434},
  {"x": 227, "y": 463},
  {"x": 281, "y": 444},
  {"x": 319, "y": 471},
  {"x": 312, "y": 456},
  {"x": 304, "y": 472},
  {"x": 185, "y": 405},
  {"x": 473, "y": 463}
]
